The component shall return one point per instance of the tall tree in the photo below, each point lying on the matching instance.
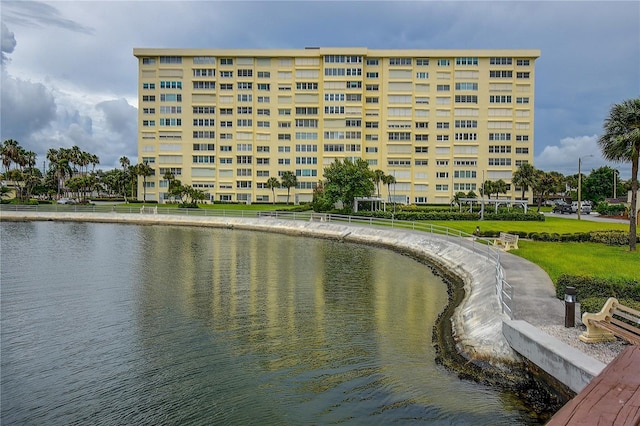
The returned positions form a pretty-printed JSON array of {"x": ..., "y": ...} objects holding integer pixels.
[
  {"x": 346, "y": 180},
  {"x": 289, "y": 180},
  {"x": 145, "y": 171},
  {"x": 389, "y": 180},
  {"x": 272, "y": 184},
  {"x": 524, "y": 177},
  {"x": 377, "y": 178},
  {"x": 620, "y": 142}
]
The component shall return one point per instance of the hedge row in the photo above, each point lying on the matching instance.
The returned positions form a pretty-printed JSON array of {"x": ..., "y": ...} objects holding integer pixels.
[
  {"x": 448, "y": 215},
  {"x": 612, "y": 237},
  {"x": 589, "y": 287},
  {"x": 595, "y": 304}
]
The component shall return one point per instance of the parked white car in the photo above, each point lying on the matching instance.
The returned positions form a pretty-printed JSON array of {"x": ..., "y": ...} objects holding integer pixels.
[
  {"x": 66, "y": 201},
  {"x": 586, "y": 207}
]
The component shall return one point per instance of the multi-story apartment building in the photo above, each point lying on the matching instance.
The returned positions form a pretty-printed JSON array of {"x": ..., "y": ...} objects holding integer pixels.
[{"x": 439, "y": 121}]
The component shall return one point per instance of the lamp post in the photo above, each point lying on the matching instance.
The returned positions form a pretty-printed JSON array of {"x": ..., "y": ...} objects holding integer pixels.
[
  {"x": 615, "y": 183},
  {"x": 580, "y": 183}
]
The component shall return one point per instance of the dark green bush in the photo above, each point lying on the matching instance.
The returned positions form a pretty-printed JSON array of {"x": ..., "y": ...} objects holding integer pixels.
[
  {"x": 515, "y": 216},
  {"x": 587, "y": 287},
  {"x": 610, "y": 237},
  {"x": 607, "y": 209},
  {"x": 595, "y": 304}
]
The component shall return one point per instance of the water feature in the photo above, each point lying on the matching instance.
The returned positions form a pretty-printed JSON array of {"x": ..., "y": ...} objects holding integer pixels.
[{"x": 123, "y": 324}]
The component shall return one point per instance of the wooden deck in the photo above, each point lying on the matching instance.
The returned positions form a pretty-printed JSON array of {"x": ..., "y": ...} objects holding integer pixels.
[{"x": 612, "y": 397}]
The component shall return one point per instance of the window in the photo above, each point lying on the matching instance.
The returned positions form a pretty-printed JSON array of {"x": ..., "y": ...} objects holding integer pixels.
[
  {"x": 441, "y": 138},
  {"x": 203, "y": 134},
  {"x": 264, "y": 86},
  {"x": 422, "y": 62},
  {"x": 307, "y": 111},
  {"x": 523, "y": 74},
  {"x": 444, "y": 62},
  {"x": 499, "y": 149},
  {"x": 264, "y": 111},
  {"x": 148, "y": 123},
  {"x": 399, "y": 136},
  {"x": 442, "y": 188},
  {"x": 148, "y": 110},
  {"x": 372, "y": 74},
  {"x": 204, "y": 72},
  {"x": 499, "y": 136},
  {"x": 245, "y": 73},
  {"x": 421, "y": 149},
  {"x": 306, "y": 123},
  {"x": 306, "y": 86},
  {"x": 245, "y": 98},
  {"x": 284, "y": 161},
  {"x": 245, "y": 122},
  {"x": 204, "y": 60},
  {"x": 464, "y": 174},
  {"x": 148, "y": 98},
  {"x": 522, "y": 138},
  {"x": 467, "y": 86},
  {"x": 469, "y": 99},
  {"x": 500, "y": 74},
  {"x": 334, "y": 97},
  {"x": 334, "y": 110},
  {"x": 466, "y": 61},
  {"x": 499, "y": 161},
  {"x": 442, "y": 125},
  {"x": 148, "y": 61},
  {"x": 170, "y": 97},
  {"x": 422, "y": 125},
  {"x": 522, "y": 62},
  {"x": 226, "y": 74},
  {"x": 524, "y": 100},
  {"x": 328, "y": 147},
  {"x": 201, "y": 159},
  {"x": 284, "y": 137},
  {"x": 245, "y": 85},
  {"x": 373, "y": 62},
  {"x": 354, "y": 84},
  {"x": 171, "y": 122},
  {"x": 353, "y": 122},
  {"x": 245, "y": 110},
  {"x": 371, "y": 100},
  {"x": 264, "y": 74},
  {"x": 354, "y": 97},
  {"x": 466, "y": 124},
  {"x": 264, "y": 99},
  {"x": 244, "y": 159},
  {"x": 372, "y": 87},
  {"x": 170, "y": 59},
  {"x": 226, "y": 86},
  {"x": 204, "y": 122},
  {"x": 284, "y": 111},
  {"x": 522, "y": 150},
  {"x": 204, "y": 84},
  {"x": 226, "y": 124},
  {"x": 500, "y": 61},
  {"x": 203, "y": 110},
  {"x": 500, "y": 99},
  {"x": 148, "y": 86},
  {"x": 466, "y": 136},
  {"x": 306, "y": 148},
  {"x": 443, "y": 88},
  {"x": 399, "y": 61}
]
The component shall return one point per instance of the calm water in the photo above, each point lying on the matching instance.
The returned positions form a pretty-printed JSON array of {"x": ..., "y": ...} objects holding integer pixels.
[{"x": 118, "y": 324}]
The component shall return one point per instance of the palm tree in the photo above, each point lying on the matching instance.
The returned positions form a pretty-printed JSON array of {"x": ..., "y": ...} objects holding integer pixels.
[
  {"x": 487, "y": 189},
  {"x": 10, "y": 150},
  {"x": 145, "y": 171},
  {"x": 377, "y": 178},
  {"x": 620, "y": 142},
  {"x": 524, "y": 177},
  {"x": 272, "y": 184},
  {"x": 289, "y": 180},
  {"x": 388, "y": 180},
  {"x": 499, "y": 187}
]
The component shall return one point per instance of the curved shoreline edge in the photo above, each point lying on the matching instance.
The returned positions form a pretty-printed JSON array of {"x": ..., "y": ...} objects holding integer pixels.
[{"x": 468, "y": 335}]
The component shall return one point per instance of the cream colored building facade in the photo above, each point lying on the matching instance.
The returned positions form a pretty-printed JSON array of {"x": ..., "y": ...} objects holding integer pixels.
[{"x": 440, "y": 121}]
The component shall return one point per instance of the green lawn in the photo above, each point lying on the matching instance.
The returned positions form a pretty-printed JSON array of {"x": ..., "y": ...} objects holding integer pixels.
[
  {"x": 551, "y": 224},
  {"x": 555, "y": 258},
  {"x": 589, "y": 259}
]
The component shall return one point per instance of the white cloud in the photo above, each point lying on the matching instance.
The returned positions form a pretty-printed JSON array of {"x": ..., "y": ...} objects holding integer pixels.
[{"x": 564, "y": 157}]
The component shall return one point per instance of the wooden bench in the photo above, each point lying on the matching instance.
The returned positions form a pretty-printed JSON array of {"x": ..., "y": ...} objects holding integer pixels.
[
  {"x": 319, "y": 217},
  {"x": 506, "y": 241},
  {"x": 614, "y": 319}
]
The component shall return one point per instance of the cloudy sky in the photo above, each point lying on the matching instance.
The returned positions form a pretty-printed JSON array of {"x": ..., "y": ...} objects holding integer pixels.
[{"x": 69, "y": 76}]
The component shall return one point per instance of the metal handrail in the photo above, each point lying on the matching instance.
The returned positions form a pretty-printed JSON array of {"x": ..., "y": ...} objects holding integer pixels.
[{"x": 484, "y": 247}]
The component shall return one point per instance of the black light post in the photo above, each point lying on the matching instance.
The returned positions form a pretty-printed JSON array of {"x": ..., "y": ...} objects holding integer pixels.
[{"x": 570, "y": 307}]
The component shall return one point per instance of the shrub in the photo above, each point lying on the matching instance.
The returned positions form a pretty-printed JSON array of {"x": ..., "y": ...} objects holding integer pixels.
[
  {"x": 515, "y": 216},
  {"x": 607, "y": 209},
  {"x": 588, "y": 287},
  {"x": 595, "y": 304},
  {"x": 610, "y": 237}
]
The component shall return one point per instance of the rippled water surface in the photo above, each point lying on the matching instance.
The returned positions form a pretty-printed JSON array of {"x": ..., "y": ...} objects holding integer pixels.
[{"x": 119, "y": 324}]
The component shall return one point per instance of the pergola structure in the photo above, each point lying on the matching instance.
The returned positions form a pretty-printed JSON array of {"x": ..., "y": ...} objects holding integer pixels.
[
  {"x": 496, "y": 202},
  {"x": 375, "y": 203}
]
